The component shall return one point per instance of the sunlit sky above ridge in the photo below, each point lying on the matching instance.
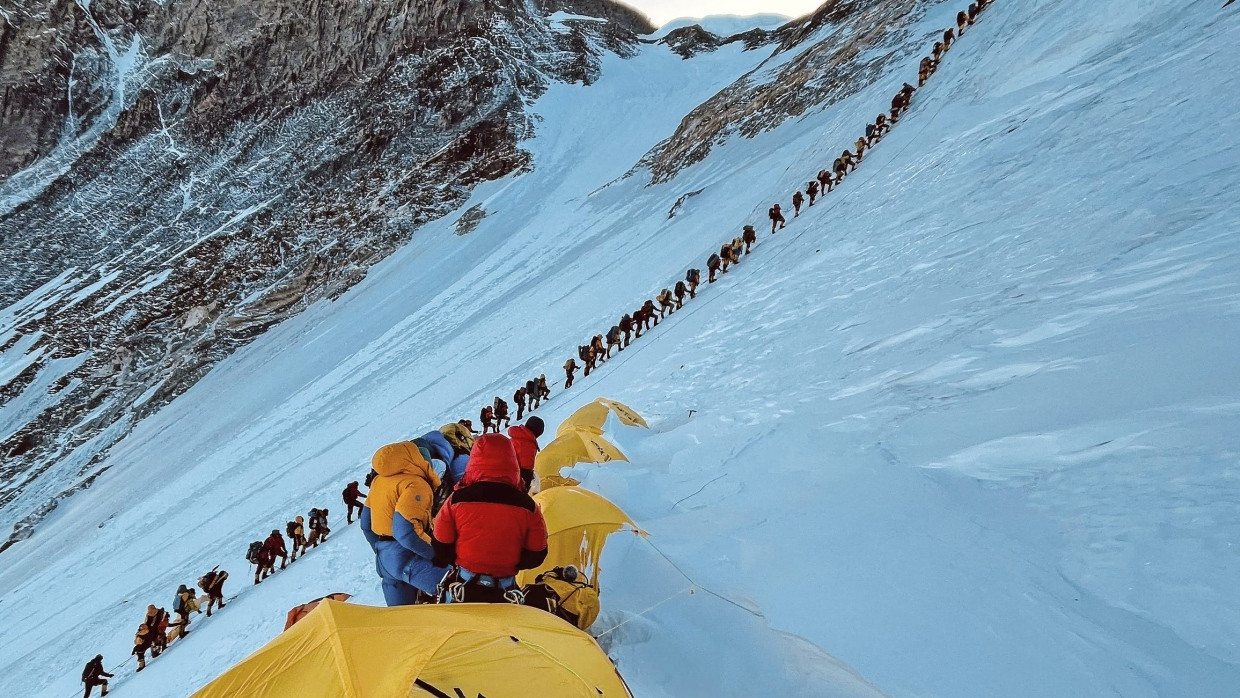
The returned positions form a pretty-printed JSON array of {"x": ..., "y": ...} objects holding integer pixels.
[{"x": 663, "y": 11}]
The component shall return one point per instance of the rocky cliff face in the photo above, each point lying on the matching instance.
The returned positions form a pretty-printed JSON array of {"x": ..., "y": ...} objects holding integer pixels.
[{"x": 179, "y": 176}]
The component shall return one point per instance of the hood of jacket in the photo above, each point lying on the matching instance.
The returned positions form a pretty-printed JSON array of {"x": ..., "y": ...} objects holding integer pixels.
[
  {"x": 493, "y": 460},
  {"x": 403, "y": 458}
]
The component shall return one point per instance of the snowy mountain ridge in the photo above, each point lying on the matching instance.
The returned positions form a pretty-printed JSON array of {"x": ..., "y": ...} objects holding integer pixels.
[
  {"x": 725, "y": 25},
  {"x": 964, "y": 424}
]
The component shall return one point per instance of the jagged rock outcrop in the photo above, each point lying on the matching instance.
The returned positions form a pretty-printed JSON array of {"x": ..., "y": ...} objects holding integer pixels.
[{"x": 180, "y": 176}]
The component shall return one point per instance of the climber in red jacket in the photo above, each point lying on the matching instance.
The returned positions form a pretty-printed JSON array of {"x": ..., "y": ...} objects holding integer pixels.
[
  {"x": 489, "y": 529},
  {"x": 525, "y": 443}
]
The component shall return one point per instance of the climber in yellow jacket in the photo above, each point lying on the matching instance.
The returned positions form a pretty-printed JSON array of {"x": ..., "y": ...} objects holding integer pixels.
[{"x": 396, "y": 521}]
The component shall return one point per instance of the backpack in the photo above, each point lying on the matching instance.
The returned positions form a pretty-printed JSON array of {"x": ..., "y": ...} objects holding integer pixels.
[
  {"x": 712, "y": 261},
  {"x": 693, "y": 276},
  {"x": 205, "y": 581},
  {"x": 680, "y": 288},
  {"x": 576, "y": 601},
  {"x": 256, "y": 549},
  {"x": 290, "y": 528}
]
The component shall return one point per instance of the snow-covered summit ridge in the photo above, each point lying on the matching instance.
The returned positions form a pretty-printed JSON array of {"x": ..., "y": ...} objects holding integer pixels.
[{"x": 725, "y": 25}]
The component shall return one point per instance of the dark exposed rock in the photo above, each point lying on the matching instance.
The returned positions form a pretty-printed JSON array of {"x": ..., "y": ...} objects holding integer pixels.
[{"x": 217, "y": 166}]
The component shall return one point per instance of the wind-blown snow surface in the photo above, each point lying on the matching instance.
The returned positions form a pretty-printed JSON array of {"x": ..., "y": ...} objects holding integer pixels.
[{"x": 968, "y": 425}]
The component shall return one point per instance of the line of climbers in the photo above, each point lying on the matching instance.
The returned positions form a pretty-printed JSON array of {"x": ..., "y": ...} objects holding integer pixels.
[
  {"x": 449, "y": 516},
  {"x": 528, "y": 397}
]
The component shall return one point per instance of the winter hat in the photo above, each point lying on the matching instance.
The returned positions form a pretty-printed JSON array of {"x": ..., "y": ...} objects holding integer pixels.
[
  {"x": 275, "y": 531},
  {"x": 535, "y": 425}
]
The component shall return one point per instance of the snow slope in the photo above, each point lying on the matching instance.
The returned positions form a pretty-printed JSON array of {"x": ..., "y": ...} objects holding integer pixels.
[{"x": 967, "y": 425}]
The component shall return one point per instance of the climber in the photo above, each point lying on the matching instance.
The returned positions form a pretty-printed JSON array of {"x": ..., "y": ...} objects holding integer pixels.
[
  {"x": 449, "y": 445},
  {"x": 274, "y": 546},
  {"x": 861, "y": 144},
  {"x": 518, "y": 398},
  {"x": 693, "y": 277},
  {"x": 640, "y": 321},
  {"x": 811, "y": 189},
  {"x": 397, "y": 521},
  {"x": 738, "y": 248},
  {"x": 626, "y": 326},
  {"x": 725, "y": 254},
  {"x": 797, "y": 199},
  {"x": 489, "y": 529},
  {"x": 949, "y": 35},
  {"x": 651, "y": 315},
  {"x": 296, "y": 532},
  {"x": 840, "y": 168},
  {"x": 212, "y": 584},
  {"x": 570, "y": 367},
  {"x": 156, "y": 621},
  {"x": 142, "y": 643},
  {"x": 487, "y": 417},
  {"x": 533, "y": 394},
  {"x": 182, "y": 607},
  {"x": 94, "y": 675},
  {"x": 680, "y": 291},
  {"x": 777, "y": 219},
  {"x": 524, "y": 439},
  {"x": 936, "y": 55},
  {"x": 596, "y": 345},
  {"x": 972, "y": 12},
  {"x": 962, "y": 18},
  {"x": 318, "y": 528},
  {"x": 544, "y": 393},
  {"x": 824, "y": 178},
  {"x": 850, "y": 162},
  {"x": 587, "y": 356},
  {"x": 712, "y": 265},
  {"x": 352, "y": 497},
  {"x": 749, "y": 236},
  {"x": 880, "y": 125},
  {"x": 613, "y": 339},
  {"x": 666, "y": 302}
]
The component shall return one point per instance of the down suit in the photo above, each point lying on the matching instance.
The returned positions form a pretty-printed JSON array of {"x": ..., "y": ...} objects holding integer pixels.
[
  {"x": 490, "y": 525},
  {"x": 396, "y": 521}
]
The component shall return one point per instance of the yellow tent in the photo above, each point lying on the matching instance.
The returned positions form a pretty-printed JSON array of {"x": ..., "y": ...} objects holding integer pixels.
[
  {"x": 593, "y": 415},
  {"x": 578, "y": 523},
  {"x": 575, "y": 446},
  {"x": 496, "y": 650}
]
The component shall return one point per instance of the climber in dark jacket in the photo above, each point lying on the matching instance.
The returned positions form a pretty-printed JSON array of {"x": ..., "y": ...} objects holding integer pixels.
[
  {"x": 352, "y": 497},
  {"x": 94, "y": 675}
]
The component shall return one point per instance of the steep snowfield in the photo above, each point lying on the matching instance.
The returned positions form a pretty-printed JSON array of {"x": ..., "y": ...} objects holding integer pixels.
[{"x": 968, "y": 425}]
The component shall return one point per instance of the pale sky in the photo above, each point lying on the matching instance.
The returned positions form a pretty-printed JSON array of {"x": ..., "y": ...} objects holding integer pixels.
[{"x": 662, "y": 11}]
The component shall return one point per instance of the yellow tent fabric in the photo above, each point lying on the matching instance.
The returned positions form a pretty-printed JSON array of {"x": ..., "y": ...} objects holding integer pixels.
[
  {"x": 496, "y": 650},
  {"x": 591, "y": 417},
  {"x": 578, "y": 523},
  {"x": 575, "y": 447},
  {"x": 626, "y": 414}
]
